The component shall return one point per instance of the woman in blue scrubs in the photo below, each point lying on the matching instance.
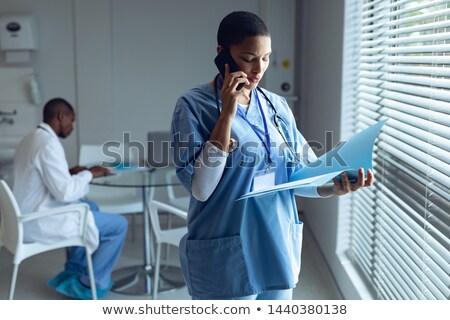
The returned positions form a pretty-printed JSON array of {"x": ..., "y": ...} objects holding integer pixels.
[{"x": 228, "y": 142}]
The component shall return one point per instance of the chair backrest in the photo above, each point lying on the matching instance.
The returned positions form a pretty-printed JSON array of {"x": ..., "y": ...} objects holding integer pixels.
[
  {"x": 11, "y": 232},
  {"x": 154, "y": 207},
  {"x": 159, "y": 152}
]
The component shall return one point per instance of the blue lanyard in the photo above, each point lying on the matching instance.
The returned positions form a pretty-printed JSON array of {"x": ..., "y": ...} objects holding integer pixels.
[{"x": 266, "y": 130}]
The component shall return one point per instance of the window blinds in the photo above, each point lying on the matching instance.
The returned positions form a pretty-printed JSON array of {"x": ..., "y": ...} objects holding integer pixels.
[{"x": 397, "y": 66}]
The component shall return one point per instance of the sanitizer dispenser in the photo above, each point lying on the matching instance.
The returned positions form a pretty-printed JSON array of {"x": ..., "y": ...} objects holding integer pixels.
[{"x": 18, "y": 37}]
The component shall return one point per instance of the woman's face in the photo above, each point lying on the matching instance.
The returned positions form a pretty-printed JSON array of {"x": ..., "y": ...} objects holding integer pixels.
[{"x": 252, "y": 57}]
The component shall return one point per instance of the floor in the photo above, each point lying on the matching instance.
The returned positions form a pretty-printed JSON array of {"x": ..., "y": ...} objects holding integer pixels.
[{"x": 315, "y": 282}]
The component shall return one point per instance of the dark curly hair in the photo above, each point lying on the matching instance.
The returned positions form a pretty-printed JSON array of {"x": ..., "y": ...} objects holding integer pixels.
[
  {"x": 53, "y": 106},
  {"x": 238, "y": 26}
]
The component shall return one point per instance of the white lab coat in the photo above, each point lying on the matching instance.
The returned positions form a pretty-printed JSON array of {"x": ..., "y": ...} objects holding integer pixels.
[{"x": 42, "y": 181}]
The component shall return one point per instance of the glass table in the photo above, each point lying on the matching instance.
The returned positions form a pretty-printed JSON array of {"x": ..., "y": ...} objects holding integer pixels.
[{"x": 137, "y": 280}]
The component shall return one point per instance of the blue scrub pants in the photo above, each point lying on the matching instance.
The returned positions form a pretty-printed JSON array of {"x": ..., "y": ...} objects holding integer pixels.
[
  {"x": 113, "y": 230},
  {"x": 267, "y": 295}
]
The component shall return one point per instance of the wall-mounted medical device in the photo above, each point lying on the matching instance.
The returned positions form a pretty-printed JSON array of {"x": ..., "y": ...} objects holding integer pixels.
[{"x": 18, "y": 37}]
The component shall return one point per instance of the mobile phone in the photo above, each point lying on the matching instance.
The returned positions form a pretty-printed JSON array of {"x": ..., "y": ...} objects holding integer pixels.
[
  {"x": 224, "y": 57},
  {"x": 352, "y": 176}
]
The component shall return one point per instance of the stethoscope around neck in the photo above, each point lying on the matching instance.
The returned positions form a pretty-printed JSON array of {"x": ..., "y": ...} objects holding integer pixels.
[{"x": 277, "y": 119}]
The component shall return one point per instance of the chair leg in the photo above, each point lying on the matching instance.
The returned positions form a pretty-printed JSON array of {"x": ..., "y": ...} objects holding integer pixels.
[
  {"x": 91, "y": 276},
  {"x": 13, "y": 281},
  {"x": 133, "y": 228},
  {"x": 156, "y": 275},
  {"x": 169, "y": 226}
]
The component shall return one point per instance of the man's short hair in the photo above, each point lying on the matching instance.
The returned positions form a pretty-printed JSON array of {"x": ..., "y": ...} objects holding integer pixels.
[
  {"x": 53, "y": 106},
  {"x": 238, "y": 26}
]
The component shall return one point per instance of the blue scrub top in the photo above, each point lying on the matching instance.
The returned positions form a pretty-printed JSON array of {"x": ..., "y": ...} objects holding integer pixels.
[{"x": 238, "y": 248}]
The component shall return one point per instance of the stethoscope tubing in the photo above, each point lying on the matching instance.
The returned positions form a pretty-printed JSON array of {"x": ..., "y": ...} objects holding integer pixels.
[{"x": 277, "y": 117}]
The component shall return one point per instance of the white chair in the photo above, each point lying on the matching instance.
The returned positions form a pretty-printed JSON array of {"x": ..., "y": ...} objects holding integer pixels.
[
  {"x": 12, "y": 234},
  {"x": 160, "y": 155},
  {"x": 112, "y": 200},
  {"x": 168, "y": 236}
]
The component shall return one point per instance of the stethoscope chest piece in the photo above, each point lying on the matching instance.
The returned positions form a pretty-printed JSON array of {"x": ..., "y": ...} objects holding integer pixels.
[{"x": 234, "y": 144}]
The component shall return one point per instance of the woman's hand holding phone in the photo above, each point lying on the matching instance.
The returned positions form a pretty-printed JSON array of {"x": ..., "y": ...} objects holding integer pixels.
[
  {"x": 221, "y": 134},
  {"x": 229, "y": 93},
  {"x": 224, "y": 58},
  {"x": 233, "y": 81}
]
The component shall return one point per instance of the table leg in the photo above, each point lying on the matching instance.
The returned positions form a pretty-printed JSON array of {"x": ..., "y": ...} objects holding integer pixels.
[{"x": 137, "y": 280}]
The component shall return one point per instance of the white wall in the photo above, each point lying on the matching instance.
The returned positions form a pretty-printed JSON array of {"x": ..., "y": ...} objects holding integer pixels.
[
  {"x": 54, "y": 61},
  {"x": 320, "y": 73},
  {"x": 136, "y": 57},
  {"x": 123, "y": 64},
  {"x": 158, "y": 52}
]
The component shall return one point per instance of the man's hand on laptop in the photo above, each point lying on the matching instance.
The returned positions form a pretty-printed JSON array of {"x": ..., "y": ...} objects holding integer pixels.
[{"x": 99, "y": 171}]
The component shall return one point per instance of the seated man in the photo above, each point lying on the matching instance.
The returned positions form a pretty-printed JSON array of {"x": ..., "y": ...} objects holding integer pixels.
[{"x": 42, "y": 180}]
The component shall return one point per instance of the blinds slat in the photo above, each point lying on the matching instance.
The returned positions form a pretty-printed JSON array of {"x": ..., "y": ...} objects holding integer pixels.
[
  {"x": 431, "y": 59},
  {"x": 369, "y": 4},
  {"x": 431, "y": 172},
  {"x": 366, "y": 202},
  {"x": 425, "y": 81},
  {"x": 429, "y": 270},
  {"x": 421, "y": 27},
  {"x": 362, "y": 104},
  {"x": 397, "y": 128},
  {"x": 434, "y": 151},
  {"x": 416, "y": 101},
  {"x": 362, "y": 259},
  {"x": 407, "y": 285},
  {"x": 397, "y": 66},
  {"x": 419, "y": 70},
  {"x": 361, "y": 241},
  {"x": 384, "y": 289},
  {"x": 417, "y": 90},
  {"x": 389, "y": 261},
  {"x": 408, "y": 265},
  {"x": 435, "y": 140},
  {"x": 417, "y": 18},
  {"x": 430, "y": 116},
  {"x": 435, "y": 128},
  {"x": 431, "y": 275},
  {"x": 415, "y": 49},
  {"x": 369, "y": 82},
  {"x": 409, "y": 207},
  {"x": 414, "y": 187},
  {"x": 411, "y": 230},
  {"x": 370, "y": 74},
  {"x": 414, "y": 7},
  {"x": 416, "y": 174},
  {"x": 407, "y": 259},
  {"x": 390, "y": 279}
]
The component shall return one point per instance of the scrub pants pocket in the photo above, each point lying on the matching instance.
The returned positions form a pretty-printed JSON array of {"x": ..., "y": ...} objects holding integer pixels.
[
  {"x": 296, "y": 249},
  {"x": 217, "y": 268}
]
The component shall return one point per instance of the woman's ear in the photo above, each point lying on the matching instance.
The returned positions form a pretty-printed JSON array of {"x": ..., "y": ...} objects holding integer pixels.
[{"x": 218, "y": 49}]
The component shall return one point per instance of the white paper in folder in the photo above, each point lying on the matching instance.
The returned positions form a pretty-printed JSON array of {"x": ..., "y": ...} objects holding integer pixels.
[{"x": 349, "y": 157}]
